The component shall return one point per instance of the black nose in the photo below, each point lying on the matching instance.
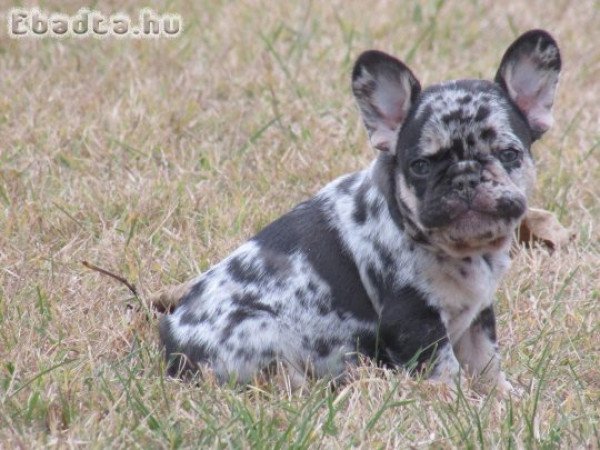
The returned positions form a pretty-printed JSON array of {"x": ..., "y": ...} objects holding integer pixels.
[
  {"x": 466, "y": 175},
  {"x": 466, "y": 181},
  {"x": 511, "y": 208}
]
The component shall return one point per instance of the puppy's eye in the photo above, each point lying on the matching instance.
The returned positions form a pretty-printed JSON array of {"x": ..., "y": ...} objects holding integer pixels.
[
  {"x": 508, "y": 155},
  {"x": 420, "y": 167}
]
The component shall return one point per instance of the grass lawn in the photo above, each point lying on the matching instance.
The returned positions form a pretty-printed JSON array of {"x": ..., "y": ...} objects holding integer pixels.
[{"x": 155, "y": 158}]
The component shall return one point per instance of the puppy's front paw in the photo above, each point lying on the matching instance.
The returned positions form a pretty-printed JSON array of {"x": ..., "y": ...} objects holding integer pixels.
[
  {"x": 498, "y": 385},
  {"x": 505, "y": 388}
]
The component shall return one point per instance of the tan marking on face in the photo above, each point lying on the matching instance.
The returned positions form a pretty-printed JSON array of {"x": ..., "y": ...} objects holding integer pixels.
[
  {"x": 433, "y": 138},
  {"x": 525, "y": 176},
  {"x": 407, "y": 195},
  {"x": 496, "y": 173}
]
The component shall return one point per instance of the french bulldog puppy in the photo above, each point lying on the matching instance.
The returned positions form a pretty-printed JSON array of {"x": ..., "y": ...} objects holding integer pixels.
[{"x": 398, "y": 262}]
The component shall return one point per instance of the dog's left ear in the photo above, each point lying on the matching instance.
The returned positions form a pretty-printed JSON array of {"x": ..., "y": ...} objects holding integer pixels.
[
  {"x": 385, "y": 89},
  {"x": 529, "y": 74}
]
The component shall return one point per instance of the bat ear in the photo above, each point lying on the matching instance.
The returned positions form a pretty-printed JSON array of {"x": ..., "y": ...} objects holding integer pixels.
[
  {"x": 384, "y": 89},
  {"x": 529, "y": 74}
]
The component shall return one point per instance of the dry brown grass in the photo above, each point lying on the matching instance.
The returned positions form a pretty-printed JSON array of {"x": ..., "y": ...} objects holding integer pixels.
[{"x": 155, "y": 158}]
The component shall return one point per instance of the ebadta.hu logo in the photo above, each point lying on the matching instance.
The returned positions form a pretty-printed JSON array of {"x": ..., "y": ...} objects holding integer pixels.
[{"x": 33, "y": 22}]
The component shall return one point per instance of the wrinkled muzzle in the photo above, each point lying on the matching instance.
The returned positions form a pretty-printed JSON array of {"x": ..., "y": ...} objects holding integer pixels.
[{"x": 471, "y": 212}]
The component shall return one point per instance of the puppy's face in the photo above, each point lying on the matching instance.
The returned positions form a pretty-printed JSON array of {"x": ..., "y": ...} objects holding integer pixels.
[
  {"x": 464, "y": 167},
  {"x": 459, "y": 152}
]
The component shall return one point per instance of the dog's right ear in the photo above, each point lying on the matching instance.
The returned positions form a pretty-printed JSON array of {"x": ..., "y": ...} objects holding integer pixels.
[
  {"x": 385, "y": 89},
  {"x": 529, "y": 74}
]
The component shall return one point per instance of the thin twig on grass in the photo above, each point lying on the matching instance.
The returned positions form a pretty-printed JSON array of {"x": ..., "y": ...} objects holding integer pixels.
[{"x": 130, "y": 286}]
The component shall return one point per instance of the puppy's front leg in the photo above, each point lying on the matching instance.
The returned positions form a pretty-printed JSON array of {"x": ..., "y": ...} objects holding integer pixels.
[
  {"x": 477, "y": 352},
  {"x": 409, "y": 329}
]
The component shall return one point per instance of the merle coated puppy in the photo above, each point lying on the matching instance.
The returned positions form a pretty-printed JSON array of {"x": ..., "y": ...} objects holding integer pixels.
[{"x": 398, "y": 262}]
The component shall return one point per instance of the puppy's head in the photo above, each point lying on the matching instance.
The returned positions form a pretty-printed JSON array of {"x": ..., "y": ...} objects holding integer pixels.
[{"x": 457, "y": 154}]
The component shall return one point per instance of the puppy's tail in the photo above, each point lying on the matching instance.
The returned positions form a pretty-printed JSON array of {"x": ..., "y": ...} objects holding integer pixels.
[{"x": 167, "y": 299}]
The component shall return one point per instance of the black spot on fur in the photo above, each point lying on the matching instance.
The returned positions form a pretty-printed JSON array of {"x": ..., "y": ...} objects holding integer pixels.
[
  {"x": 488, "y": 260},
  {"x": 466, "y": 99},
  {"x": 242, "y": 272},
  {"x": 243, "y": 354},
  {"x": 458, "y": 148},
  {"x": 463, "y": 272},
  {"x": 346, "y": 185},
  {"x": 301, "y": 297},
  {"x": 360, "y": 205},
  {"x": 382, "y": 282},
  {"x": 308, "y": 230},
  {"x": 470, "y": 140},
  {"x": 375, "y": 210},
  {"x": 305, "y": 342},
  {"x": 323, "y": 309},
  {"x": 487, "y": 321},
  {"x": 368, "y": 343},
  {"x": 322, "y": 347},
  {"x": 240, "y": 315},
  {"x": 467, "y": 260},
  {"x": 252, "y": 303},
  {"x": 453, "y": 116},
  {"x": 488, "y": 134},
  {"x": 422, "y": 328},
  {"x": 267, "y": 353},
  {"x": 190, "y": 318},
  {"x": 385, "y": 256},
  {"x": 482, "y": 113},
  {"x": 181, "y": 359},
  {"x": 195, "y": 293}
]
